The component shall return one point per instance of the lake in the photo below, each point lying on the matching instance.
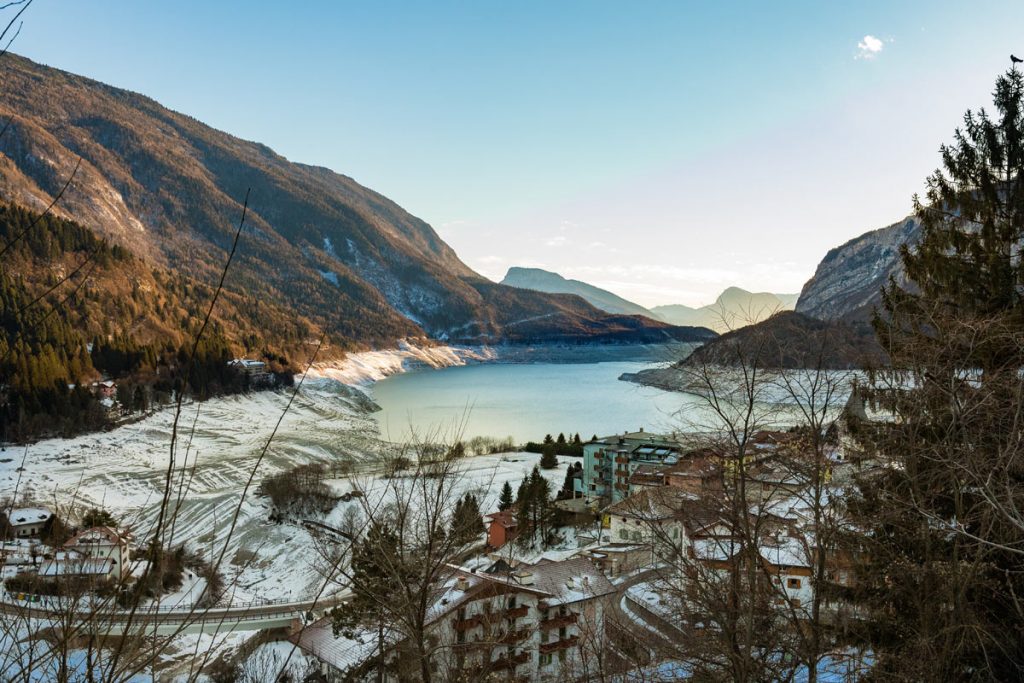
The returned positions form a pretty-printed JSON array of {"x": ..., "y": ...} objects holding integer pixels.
[{"x": 525, "y": 401}]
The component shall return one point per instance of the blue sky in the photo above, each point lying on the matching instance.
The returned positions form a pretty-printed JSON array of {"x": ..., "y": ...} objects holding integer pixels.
[{"x": 664, "y": 150}]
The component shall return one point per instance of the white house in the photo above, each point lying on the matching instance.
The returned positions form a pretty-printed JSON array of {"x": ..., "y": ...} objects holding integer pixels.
[
  {"x": 28, "y": 522},
  {"x": 103, "y": 543}
]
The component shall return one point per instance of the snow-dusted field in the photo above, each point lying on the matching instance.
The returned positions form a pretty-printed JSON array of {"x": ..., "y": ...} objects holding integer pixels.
[
  {"x": 219, "y": 443},
  {"x": 124, "y": 470}
]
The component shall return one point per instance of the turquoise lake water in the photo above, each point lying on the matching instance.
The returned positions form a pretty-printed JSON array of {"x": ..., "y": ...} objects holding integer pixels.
[{"x": 526, "y": 401}]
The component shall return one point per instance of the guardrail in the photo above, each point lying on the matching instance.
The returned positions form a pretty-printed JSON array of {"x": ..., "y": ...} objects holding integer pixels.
[{"x": 184, "y": 613}]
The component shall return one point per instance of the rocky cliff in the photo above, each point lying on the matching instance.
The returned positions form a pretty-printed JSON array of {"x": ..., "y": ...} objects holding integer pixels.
[{"x": 847, "y": 282}]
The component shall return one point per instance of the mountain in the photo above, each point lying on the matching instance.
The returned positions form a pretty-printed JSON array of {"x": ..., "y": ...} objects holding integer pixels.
[
  {"x": 833, "y": 309},
  {"x": 787, "y": 340},
  {"x": 847, "y": 282},
  {"x": 541, "y": 280},
  {"x": 733, "y": 308},
  {"x": 340, "y": 256}
]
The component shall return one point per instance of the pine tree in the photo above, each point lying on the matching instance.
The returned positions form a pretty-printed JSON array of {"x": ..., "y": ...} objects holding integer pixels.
[
  {"x": 568, "y": 486},
  {"x": 467, "y": 522},
  {"x": 535, "y": 510},
  {"x": 505, "y": 500},
  {"x": 377, "y": 569},
  {"x": 548, "y": 460},
  {"x": 941, "y": 582}
]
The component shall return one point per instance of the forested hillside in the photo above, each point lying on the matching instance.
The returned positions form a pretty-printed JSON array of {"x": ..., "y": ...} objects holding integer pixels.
[{"x": 74, "y": 308}]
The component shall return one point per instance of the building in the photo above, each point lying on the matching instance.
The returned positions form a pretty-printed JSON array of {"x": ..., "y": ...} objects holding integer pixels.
[
  {"x": 609, "y": 464},
  {"x": 28, "y": 522},
  {"x": 103, "y": 543},
  {"x": 651, "y": 515},
  {"x": 519, "y": 622},
  {"x": 256, "y": 372},
  {"x": 502, "y": 527}
]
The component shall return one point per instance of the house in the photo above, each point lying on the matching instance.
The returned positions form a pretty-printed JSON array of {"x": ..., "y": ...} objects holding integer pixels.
[
  {"x": 698, "y": 474},
  {"x": 523, "y": 622},
  {"x": 106, "y": 388},
  {"x": 502, "y": 527},
  {"x": 28, "y": 522},
  {"x": 248, "y": 366},
  {"x": 652, "y": 515},
  {"x": 103, "y": 543}
]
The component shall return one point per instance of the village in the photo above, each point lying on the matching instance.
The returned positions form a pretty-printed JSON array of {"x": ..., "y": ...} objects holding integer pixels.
[
  {"x": 617, "y": 576},
  {"x": 657, "y": 528}
]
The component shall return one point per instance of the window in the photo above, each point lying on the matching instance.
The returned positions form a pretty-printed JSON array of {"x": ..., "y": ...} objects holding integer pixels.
[
  {"x": 624, "y": 534},
  {"x": 460, "y": 636},
  {"x": 561, "y": 633},
  {"x": 512, "y": 602},
  {"x": 561, "y": 655},
  {"x": 545, "y": 659},
  {"x": 792, "y": 583}
]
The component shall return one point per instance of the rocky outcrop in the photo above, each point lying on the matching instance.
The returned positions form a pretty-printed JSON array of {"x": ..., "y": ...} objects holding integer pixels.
[{"x": 848, "y": 281}]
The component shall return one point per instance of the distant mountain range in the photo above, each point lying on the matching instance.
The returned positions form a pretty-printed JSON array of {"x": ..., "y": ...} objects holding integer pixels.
[
  {"x": 835, "y": 306},
  {"x": 317, "y": 246},
  {"x": 733, "y": 308},
  {"x": 540, "y": 280}
]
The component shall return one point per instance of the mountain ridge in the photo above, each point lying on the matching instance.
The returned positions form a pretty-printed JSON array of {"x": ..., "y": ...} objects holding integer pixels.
[{"x": 169, "y": 188}]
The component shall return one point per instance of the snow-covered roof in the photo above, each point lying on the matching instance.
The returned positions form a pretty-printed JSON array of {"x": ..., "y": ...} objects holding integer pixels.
[
  {"x": 24, "y": 516},
  {"x": 342, "y": 653},
  {"x": 661, "y": 502},
  {"x": 76, "y": 567},
  {"x": 98, "y": 535}
]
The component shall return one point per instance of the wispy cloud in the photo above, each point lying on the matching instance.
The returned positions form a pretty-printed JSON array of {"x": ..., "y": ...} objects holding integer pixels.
[
  {"x": 556, "y": 241},
  {"x": 869, "y": 47}
]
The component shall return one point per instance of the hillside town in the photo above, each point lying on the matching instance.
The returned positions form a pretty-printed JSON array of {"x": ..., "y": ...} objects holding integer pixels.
[{"x": 657, "y": 535}]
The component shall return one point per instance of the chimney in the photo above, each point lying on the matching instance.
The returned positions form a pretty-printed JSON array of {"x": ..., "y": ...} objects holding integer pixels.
[
  {"x": 641, "y": 430},
  {"x": 462, "y": 584},
  {"x": 524, "y": 577}
]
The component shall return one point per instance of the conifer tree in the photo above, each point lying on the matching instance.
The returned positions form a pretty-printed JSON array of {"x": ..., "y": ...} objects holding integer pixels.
[
  {"x": 548, "y": 460},
  {"x": 505, "y": 499},
  {"x": 376, "y": 571},
  {"x": 535, "y": 511},
  {"x": 940, "y": 580}
]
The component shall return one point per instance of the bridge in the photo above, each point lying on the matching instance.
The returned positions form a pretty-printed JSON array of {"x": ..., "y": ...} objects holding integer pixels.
[{"x": 171, "y": 620}]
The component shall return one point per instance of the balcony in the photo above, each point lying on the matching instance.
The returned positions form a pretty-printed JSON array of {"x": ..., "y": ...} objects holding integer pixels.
[
  {"x": 558, "y": 621},
  {"x": 513, "y": 636},
  {"x": 512, "y": 662},
  {"x": 517, "y": 612},
  {"x": 467, "y": 623},
  {"x": 563, "y": 644}
]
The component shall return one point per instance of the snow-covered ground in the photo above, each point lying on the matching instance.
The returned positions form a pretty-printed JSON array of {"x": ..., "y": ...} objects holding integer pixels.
[
  {"x": 124, "y": 471},
  {"x": 370, "y": 366}
]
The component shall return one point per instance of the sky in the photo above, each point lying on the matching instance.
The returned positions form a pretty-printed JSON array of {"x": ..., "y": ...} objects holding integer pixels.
[{"x": 663, "y": 150}]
